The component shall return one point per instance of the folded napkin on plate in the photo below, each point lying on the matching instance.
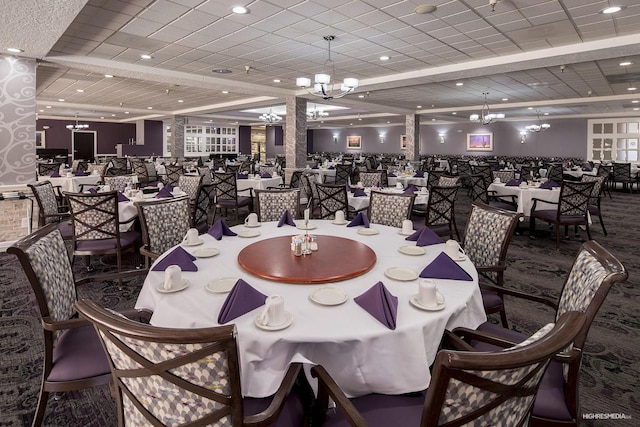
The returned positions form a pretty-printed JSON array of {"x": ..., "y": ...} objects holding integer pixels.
[
  {"x": 121, "y": 197},
  {"x": 241, "y": 176},
  {"x": 410, "y": 189},
  {"x": 359, "y": 192},
  {"x": 425, "y": 237},
  {"x": 419, "y": 174},
  {"x": 286, "y": 218},
  {"x": 380, "y": 303},
  {"x": 266, "y": 175},
  {"x": 54, "y": 174},
  {"x": 79, "y": 173},
  {"x": 164, "y": 193},
  {"x": 548, "y": 185},
  {"x": 168, "y": 187},
  {"x": 391, "y": 175},
  {"x": 219, "y": 229},
  {"x": 360, "y": 219},
  {"x": 92, "y": 191},
  {"x": 179, "y": 257},
  {"x": 444, "y": 267},
  {"x": 331, "y": 167},
  {"x": 242, "y": 299},
  {"x": 514, "y": 182}
]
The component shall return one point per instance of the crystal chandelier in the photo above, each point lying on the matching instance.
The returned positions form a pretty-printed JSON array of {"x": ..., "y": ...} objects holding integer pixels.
[
  {"x": 77, "y": 126},
  {"x": 270, "y": 117},
  {"x": 538, "y": 127},
  {"x": 322, "y": 86},
  {"x": 486, "y": 117},
  {"x": 316, "y": 114}
]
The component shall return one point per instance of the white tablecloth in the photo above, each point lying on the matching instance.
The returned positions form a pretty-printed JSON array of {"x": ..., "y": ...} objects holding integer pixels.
[
  {"x": 363, "y": 355},
  {"x": 408, "y": 179},
  {"x": 257, "y": 184},
  {"x": 363, "y": 202},
  {"x": 578, "y": 173},
  {"x": 525, "y": 196},
  {"x": 71, "y": 184}
]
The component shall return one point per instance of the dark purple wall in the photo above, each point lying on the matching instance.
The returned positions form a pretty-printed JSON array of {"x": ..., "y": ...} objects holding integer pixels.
[
  {"x": 274, "y": 136},
  {"x": 107, "y": 134},
  {"x": 244, "y": 139}
]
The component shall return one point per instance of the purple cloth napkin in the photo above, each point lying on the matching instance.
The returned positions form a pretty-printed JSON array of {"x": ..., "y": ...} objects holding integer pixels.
[
  {"x": 331, "y": 167},
  {"x": 359, "y": 192},
  {"x": 444, "y": 267},
  {"x": 219, "y": 229},
  {"x": 425, "y": 237},
  {"x": 380, "y": 303},
  {"x": 587, "y": 167},
  {"x": 419, "y": 174},
  {"x": 179, "y": 257},
  {"x": 391, "y": 175},
  {"x": 92, "y": 191},
  {"x": 241, "y": 176},
  {"x": 266, "y": 175},
  {"x": 410, "y": 189},
  {"x": 548, "y": 185},
  {"x": 242, "y": 299},
  {"x": 286, "y": 218},
  {"x": 360, "y": 219},
  {"x": 122, "y": 197},
  {"x": 164, "y": 193},
  {"x": 514, "y": 182},
  {"x": 168, "y": 187},
  {"x": 80, "y": 173},
  {"x": 54, "y": 174}
]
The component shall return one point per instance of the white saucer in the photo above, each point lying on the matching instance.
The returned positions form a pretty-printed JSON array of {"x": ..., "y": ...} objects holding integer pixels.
[
  {"x": 221, "y": 285},
  {"x": 206, "y": 252},
  {"x": 412, "y": 250},
  {"x": 329, "y": 295},
  {"x": 10, "y": 195},
  {"x": 367, "y": 231},
  {"x": 199, "y": 242},
  {"x": 160, "y": 288},
  {"x": 402, "y": 233},
  {"x": 309, "y": 226},
  {"x": 248, "y": 233},
  {"x": 252, "y": 226},
  {"x": 343, "y": 222},
  {"x": 287, "y": 322},
  {"x": 416, "y": 303},
  {"x": 401, "y": 274},
  {"x": 459, "y": 259}
]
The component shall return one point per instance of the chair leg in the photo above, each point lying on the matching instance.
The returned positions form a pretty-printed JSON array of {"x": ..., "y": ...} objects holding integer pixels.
[
  {"x": 588, "y": 231},
  {"x": 557, "y": 236},
  {"x": 503, "y": 317},
  {"x": 604, "y": 230},
  {"x": 41, "y": 408}
]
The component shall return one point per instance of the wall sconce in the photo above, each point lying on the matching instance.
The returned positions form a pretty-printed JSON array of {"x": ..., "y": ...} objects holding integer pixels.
[
  {"x": 335, "y": 139},
  {"x": 381, "y": 137},
  {"x": 45, "y": 127},
  {"x": 441, "y": 138},
  {"x": 523, "y": 137}
]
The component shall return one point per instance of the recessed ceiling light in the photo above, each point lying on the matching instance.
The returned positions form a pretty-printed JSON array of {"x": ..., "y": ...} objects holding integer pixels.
[
  {"x": 146, "y": 56},
  {"x": 48, "y": 106},
  {"x": 126, "y": 112},
  {"x": 360, "y": 96},
  {"x": 221, "y": 71},
  {"x": 426, "y": 8},
  {"x": 388, "y": 122},
  {"x": 42, "y": 111},
  {"x": 505, "y": 99},
  {"x": 80, "y": 90},
  {"x": 611, "y": 9},
  {"x": 108, "y": 76},
  {"x": 454, "y": 113},
  {"x": 635, "y": 101},
  {"x": 149, "y": 108},
  {"x": 433, "y": 120},
  {"x": 384, "y": 58},
  {"x": 636, "y": 108},
  {"x": 418, "y": 106},
  {"x": 60, "y": 99},
  {"x": 545, "y": 114},
  {"x": 625, "y": 63},
  {"x": 350, "y": 124},
  {"x": 240, "y": 10},
  {"x": 225, "y": 91},
  {"x": 113, "y": 115},
  {"x": 530, "y": 108},
  {"x": 14, "y": 50},
  {"x": 459, "y": 84},
  {"x": 632, "y": 88},
  {"x": 277, "y": 80},
  {"x": 180, "y": 100}
]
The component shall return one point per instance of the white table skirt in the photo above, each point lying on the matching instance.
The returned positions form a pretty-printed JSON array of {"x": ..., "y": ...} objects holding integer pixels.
[
  {"x": 406, "y": 180},
  {"x": 71, "y": 184},
  {"x": 360, "y": 353},
  {"x": 362, "y": 202},
  {"x": 257, "y": 184},
  {"x": 525, "y": 196}
]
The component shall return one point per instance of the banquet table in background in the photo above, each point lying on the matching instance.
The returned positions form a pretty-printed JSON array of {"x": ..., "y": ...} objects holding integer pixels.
[
  {"x": 362, "y": 202},
  {"x": 362, "y": 354},
  {"x": 258, "y": 183},
  {"x": 408, "y": 179},
  {"x": 526, "y": 195},
  {"x": 71, "y": 184}
]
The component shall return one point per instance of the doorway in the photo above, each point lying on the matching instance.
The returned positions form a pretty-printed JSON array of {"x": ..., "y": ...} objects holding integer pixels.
[{"x": 83, "y": 145}]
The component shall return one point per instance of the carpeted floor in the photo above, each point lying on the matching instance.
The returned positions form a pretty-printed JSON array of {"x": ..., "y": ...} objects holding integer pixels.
[{"x": 610, "y": 373}]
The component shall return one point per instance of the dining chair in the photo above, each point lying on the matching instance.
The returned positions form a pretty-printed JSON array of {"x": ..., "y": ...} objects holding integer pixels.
[
  {"x": 463, "y": 172},
  {"x": 593, "y": 273},
  {"x": 622, "y": 175},
  {"x": 440, "y": 213},
  {"x": 226, "y": 194},
  {"x": 173, "y": 173},
  {"x": 119, "y": 166},
  {"x": 467, "y": 388},
  {"x": 607, "y": 172},
  {"x": 272, "y": 203},
  {"x": 139, "y": 168},
  {"x": 50, "y": 210},
  {"x": 205, "y": 172},
  {"x": 247, "y": 166},
  {"x": 190, "y": 185},
  {"x": 484, "y": 170},
  {"x": 479, "y": 192},
  {"x": 343, "y": 173},
  {"x": 96, "y": 227},
  {"x": 390, "y": 208},
  {"x": 332, "y": 198},
  {"x": 370, "y": 178},
  {"x": 505, "y": 176},
  {"x": 449, "y": 181},
  {"x": 529, "y": 171},
  {"x": 573, "y": 207},
  {"x": 595, "y": 208},
  {"x": 166, "y": 376},
  {"x": 487, "y": 237},
  {"x": 164, "y": 223},
  {"x": 267, "y": 169},
  {"x": 434, "y": 177},
  {"x": 98, "y": 168},
  {"x": 309, "y": 181},
  {"x": 201, "y": 208},
  {"x": 120, "y": 182},
  {"x": 72, "y": 357},
  {"x": 79, "y": 165},
  {"x": 45, "y": 169},
  {"x": 232, "y": 168},
  {"x": 554, "y": 173}
]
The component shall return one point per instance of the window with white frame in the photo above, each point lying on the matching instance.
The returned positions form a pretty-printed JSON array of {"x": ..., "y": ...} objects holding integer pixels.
[
  {"x": 614, "y": 140},
  {"x": 203, "y": 140}
]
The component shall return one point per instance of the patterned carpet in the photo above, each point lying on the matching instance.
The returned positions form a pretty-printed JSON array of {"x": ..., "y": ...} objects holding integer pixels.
[{"x": 611, "y": 367}]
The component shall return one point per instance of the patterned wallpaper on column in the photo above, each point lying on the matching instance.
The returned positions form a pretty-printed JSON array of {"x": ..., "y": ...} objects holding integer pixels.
[
  {"x": 177, "y": 136},
  {"x": 17, "y": 120},
  {"x": 296, "y": 132}
]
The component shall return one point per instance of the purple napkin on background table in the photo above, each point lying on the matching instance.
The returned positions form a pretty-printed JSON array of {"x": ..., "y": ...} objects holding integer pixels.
[
  {"x": 391, "y": 175},
  {"x": 219, "y": 229},
  {"x": 587, "y": 167},
  {"x": 331, "y": 167},
  {"x": 122, "y": 197},
  {"x": 93, "y": 191},
  {"x": 266, "y": 175},
  {"x": 514, "y": 182},
  {"x": 425, "y": 237},
  {"x": 360, "y": 219},
  {"x": 359, "y": 192},
  {"x": 419, "y": 174},
  {"x": 286, "y": 218},
  {"x": 80, "y": 173},
  {"x": 164, "y": 193},
  {"x": 410, "y": 189},
  {"x": 444, "y": 267},
  {"x": 380, "y": 303},
  {"x": 54, "y": 174},
  {"x": 168, "y": 187},
  {"x": 548, "y": 185},
  {"x": 315, "y": 167},
  {"x": 179, "y": 257},
  {"x": 242, "y": 299},
  {"x": 241, "y": 176}
]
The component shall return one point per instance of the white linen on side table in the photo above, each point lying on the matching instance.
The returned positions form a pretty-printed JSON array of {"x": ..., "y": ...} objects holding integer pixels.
[
  {"x": 71, "y": 184},
  {"x": 362, "y": 355},
  {"x": 257, "y": 184},
  {"x": 526, "y": 195}
]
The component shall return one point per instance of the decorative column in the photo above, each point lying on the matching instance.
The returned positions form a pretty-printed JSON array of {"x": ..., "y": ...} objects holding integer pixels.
[
  {"x": 295, "y": 135},
  {"x": 177, "y": 136},
  {"x": 412, "y": 125}
]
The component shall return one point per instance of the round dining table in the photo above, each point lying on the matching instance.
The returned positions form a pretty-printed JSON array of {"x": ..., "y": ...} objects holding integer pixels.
[{"x": 362, "y": 354}]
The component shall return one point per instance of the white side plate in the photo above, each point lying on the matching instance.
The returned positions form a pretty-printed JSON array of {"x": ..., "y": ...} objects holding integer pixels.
[
  {"x": 329, "y": 295},
  {"x": 309, "y": 226},
  {"x": 221, "y": 285},
  {"x": 196, "y": 243},
  {"x": 400, "y": 273},
  {"x": 367, "y": 231},
  {"x": 206, "y": 252},
  {"x": 248, "y": 233},
  {"x": 160, "y": 288},
  {"x": 439, "y": 306},
  {"x": 412, "y": 250},
  {"x": 288, "y": 321}
]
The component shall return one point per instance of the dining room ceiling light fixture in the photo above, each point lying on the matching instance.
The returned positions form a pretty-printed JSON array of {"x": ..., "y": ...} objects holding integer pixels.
[
  {"x": 270, "y": 117},
  {"x": 76, "y": 125},
  {"x": 322, "y": 83},
  {"x": 539, "y": 126},
  {"x": 316, "y": 113},
  {"x": 486, "y": 117}
]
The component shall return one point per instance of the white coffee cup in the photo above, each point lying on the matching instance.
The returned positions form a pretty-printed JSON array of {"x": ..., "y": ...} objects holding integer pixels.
[
  {"x": 522, "y": 184},
  {"x": 176, "y": 189},
  {"x": 273, "y": 313},
  {"x": 453, "y": 249},
  {"x": 106, "y": 187},
  {"x": 160, "y": 186},
  {"x": 191, "y": 238},
  {"x": 399, "y": 185},
  {"x": 339, "y": 216},
  {"x": 407, "y": 226},
  {"x": 497, "y": 180},
  {"x": 274, "y": 174},
  {"x": 359, "y": 184},
  {"x": 428, "y": 294},
  {"x": 251, "y": 219},
  {"x": 172, "y": 277},
  {"x": 423, "y": 190},
  {"x": 69, "y": 174}
]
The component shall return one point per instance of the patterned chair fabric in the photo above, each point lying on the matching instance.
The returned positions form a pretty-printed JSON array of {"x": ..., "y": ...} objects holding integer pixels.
[
  {"x": 151, "y": 172},
  {"x": 268, "y": 169},
  {"x": 505, "y": 176},
  {"x": 484, "y": 170},
  {"x": 190, "y": 184},
  {"x": 200, "y": 217},
  {"x": 370, "y": 178},
  {"x": 101, "y": 168},
  {"x": 554, "y": 173},
  {"x": 79, "y": 165},
  {"x": 440, "y": 210},
  {"x": 120, "y": 182},
  {"x": 463, "y": 170},
  {"x": 449, "y": 181},
  {"x": 232, "y": 168},
  {"x": 343, "y": 173},
  {"x": 622, "y": 174},
  {"x": 120, "y": 165},
  {"x": 478, "y": 188},
  {"x": 273, "y": 203},
  {"x": 309, "y": 181},
  {"x": 173, "y": 174},
  {"x": 434, "y": 178},
  {"x": 390, "y": 209},
  {"x": 333, "y": 198},
  {"x": 205, "y": 172},
  {"x": 226, "y": 193},
  {"x": 48, "y": 208},
  {"x": 528, "y": 172},
  {"x": 600, "y": 183},
  {"x": 164, "y": 224},
  {"x": 45, "y": 169},
  {"x": 139, "y": 168}
]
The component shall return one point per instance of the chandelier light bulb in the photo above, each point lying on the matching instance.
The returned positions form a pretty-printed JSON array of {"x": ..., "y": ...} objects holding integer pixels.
[{"x": 486, "y": 117}]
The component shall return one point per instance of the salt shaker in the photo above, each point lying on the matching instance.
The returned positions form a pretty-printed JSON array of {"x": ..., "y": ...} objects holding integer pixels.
[
  {"x": 298, "y": 248},
  {"x": 314, "y": 243}
]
